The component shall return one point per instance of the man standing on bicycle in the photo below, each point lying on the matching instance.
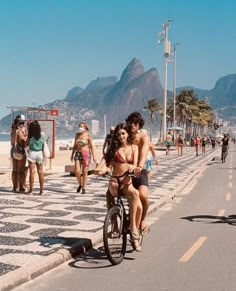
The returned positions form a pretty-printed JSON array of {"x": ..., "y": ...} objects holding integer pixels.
[{"x": 140, "y": 138}]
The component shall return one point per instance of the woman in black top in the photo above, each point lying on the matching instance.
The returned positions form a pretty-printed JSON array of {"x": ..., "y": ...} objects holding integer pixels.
[{"x": 225, "y": 146}]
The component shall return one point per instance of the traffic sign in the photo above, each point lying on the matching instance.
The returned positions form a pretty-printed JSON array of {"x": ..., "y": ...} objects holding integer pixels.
[{"x": 54, "y": 112}]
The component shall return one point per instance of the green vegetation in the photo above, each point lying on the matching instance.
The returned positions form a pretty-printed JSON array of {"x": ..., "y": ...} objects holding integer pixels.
[{"x": 193, "y": 114}]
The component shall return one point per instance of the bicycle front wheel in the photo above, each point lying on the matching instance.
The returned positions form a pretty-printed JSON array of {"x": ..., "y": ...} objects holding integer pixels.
[{"x": 114, "y": 236}]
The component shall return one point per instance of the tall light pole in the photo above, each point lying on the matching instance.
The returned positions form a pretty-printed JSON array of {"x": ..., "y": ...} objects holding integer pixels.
[
  {"x": 164, "y": 33},
  {"x": 174, "y": 84}
]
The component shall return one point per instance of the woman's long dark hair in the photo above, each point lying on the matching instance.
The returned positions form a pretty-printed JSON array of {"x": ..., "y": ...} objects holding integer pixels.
[
  {"x": 34, "y": 130},
  {"x": 115, "y": 143}
]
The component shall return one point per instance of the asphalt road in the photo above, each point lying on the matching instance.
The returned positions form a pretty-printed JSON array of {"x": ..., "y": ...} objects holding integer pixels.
[{"x": 191, "y": 245}]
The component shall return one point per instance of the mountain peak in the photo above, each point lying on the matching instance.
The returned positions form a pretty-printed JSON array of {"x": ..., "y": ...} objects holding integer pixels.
[
  {"x": 131, "y": 72},
  {"x": 74, "y": 91},
  {"x": 101, "y": 82}
]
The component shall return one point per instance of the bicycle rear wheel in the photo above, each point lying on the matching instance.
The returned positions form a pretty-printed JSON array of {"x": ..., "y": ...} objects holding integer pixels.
[{"x": 114, "y": 236}]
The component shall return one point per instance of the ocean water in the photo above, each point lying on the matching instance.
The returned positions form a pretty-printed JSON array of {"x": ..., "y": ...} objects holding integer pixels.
[{"x": 5, "y": 137}]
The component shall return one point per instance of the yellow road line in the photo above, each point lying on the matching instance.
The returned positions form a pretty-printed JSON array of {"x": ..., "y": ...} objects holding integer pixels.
[
  {"x": 230, "y": 171},
  {"x": 221, "y": 212},
  {"x": 228, "y": 196},
  {"x": 230, "y": 185},
  {"x": 188, "y": 255},
  {"x": 230, "y": 177}
]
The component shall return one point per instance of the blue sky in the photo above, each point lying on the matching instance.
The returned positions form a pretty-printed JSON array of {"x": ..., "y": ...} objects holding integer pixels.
[{"x": 50, "y": 46}]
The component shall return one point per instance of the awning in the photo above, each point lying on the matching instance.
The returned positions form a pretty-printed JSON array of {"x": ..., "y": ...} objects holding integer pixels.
[{"x": 175, "y": 128}]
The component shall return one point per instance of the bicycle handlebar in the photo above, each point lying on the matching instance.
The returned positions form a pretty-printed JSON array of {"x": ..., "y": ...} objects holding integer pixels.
[{"x": 127, "y": 173}]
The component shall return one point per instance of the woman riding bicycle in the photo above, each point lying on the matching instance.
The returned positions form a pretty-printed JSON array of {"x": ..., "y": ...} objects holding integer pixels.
[{"x": 121, "y": 157}]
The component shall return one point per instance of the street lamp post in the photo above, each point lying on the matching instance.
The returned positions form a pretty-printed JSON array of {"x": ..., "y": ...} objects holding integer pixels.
[
  {"x": 164, "y": 33},
  {"x": 174, "y": 85}
]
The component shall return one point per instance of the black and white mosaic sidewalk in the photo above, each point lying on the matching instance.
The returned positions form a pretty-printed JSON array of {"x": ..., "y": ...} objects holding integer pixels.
[{"x": 33, "y": 227}]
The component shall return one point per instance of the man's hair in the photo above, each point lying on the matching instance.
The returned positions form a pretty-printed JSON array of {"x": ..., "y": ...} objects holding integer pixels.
[{"x": 135, "y": 117}]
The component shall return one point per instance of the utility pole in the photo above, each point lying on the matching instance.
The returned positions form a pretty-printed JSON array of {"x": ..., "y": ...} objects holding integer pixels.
[
  {"x": 164, "y": 33},
  {"x": 174, "y": 85}
]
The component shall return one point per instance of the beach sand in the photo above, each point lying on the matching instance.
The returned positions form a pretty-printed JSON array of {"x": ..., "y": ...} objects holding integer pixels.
[{"x": 56, "y": 165}]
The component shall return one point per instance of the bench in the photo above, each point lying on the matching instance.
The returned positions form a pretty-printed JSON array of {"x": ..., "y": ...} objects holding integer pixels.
[{"x": 71, "y": 169}]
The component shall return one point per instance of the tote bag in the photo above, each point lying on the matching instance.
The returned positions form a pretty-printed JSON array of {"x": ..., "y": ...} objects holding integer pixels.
[{"x": 46, "y": 151}]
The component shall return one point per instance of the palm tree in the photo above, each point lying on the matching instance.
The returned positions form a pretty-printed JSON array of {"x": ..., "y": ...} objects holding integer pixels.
[
  {"x": 192, "y": 110},
  {"x": 153, "y": 106}
]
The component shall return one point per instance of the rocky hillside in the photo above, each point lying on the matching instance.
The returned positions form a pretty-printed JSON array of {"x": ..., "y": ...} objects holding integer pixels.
[
  {"x": 222, "y": 97},
  {"x": 117, "y": 98}
]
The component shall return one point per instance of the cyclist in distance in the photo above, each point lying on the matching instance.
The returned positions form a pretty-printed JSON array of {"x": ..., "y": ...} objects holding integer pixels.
[
  {"x": 122, "y": 156},
  {"x": 225, "y": 146},
  {"x": 140, "y": 138}
]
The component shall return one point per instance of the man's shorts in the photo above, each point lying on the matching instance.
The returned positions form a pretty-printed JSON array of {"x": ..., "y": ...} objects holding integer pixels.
[
  {"x": 140, "y": 180},
  {"x": 148, "y": 165}
]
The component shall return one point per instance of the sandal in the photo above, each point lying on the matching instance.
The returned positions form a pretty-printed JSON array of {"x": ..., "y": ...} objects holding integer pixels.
[
  {"x": 145, "y": 230},
  {"x": 113, "y": 234},
  {"x": 134, "y": 240}
]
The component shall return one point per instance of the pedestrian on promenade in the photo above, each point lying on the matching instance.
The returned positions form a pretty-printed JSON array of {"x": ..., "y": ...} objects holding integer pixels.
[
  {"x": 192, "y": 142},
  {"x": 122, "y": 156},
  {"x": 213, "y": 143},
  {"x": 83, "y": 147},
  {"x": 204, "y": 143},
  {"x": 36, "y": 140},
  {"x": 180, "y": 144},
  {"x": 19, "y": 136},
  {"x": 108, "y": 140},
  {"x": 140, "y": 138},
  {"x": 225, "y": 146},
  {"x": 168, "y": 142},
  {"x": 197, "y": 142},
  {"x": 151, "y": 157}
]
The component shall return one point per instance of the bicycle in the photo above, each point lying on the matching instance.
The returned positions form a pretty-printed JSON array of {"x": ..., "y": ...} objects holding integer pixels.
[
  {"x": 116, "y": 226},
  {"x": 224, "y": 153}
]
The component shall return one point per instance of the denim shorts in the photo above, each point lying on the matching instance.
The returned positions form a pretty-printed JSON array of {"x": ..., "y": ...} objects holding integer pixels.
[
  {"x": 148, "y": 165},
  {"x": 36, "y": 157}
]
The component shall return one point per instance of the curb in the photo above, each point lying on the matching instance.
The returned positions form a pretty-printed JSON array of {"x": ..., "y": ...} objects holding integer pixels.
[{"x": 31, "y": 271}]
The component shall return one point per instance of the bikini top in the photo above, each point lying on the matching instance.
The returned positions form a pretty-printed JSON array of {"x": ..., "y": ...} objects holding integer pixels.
[
  {"x": 119, "y": 159},
  {"x": 82, "y": 142}
]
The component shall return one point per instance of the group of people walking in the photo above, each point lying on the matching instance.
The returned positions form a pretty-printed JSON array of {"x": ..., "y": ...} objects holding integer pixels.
[
  {"x": 27, "y": 143},
  {"x": 197, "y": 142}
]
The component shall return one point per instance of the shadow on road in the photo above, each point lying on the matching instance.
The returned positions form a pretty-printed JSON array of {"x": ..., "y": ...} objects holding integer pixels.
[
  {"x": 96, "y": 259},
  {"x": 231, "y": 219}
]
